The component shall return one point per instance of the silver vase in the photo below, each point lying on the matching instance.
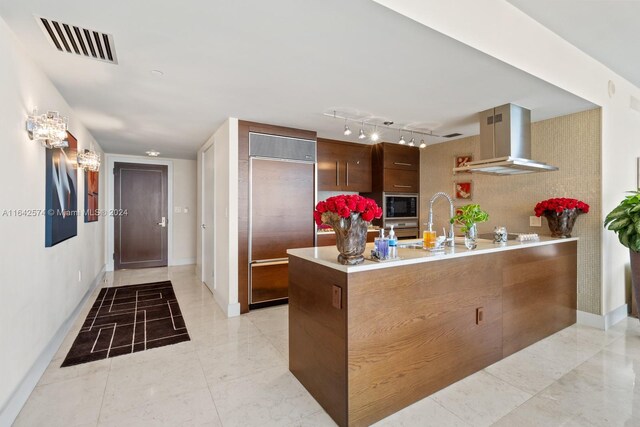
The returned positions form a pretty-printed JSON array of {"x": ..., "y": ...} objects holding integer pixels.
[{"x": 351, "y": 238}]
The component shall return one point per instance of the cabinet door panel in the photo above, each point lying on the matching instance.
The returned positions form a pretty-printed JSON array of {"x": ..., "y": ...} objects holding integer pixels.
[
  {"x": 358, "y": 168},
  {"x": 401, "y": 157},
  {"x": 401, "y": 181},
  {"x": 330, "y": 169},
  {"x": 269, "y": 282}
]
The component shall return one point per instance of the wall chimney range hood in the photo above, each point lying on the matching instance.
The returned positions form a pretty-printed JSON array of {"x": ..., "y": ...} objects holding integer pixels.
[{"x": 505, "y": 143}]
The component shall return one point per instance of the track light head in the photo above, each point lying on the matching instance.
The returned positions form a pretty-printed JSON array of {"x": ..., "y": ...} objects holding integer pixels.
[
  {"x": 362, "y": 135},
  {"x": 375, "y": 136},
  {"x": 402, "y": 141},
  {"x": 422, "y": 144},
  {"x": 347, "y": 131}
]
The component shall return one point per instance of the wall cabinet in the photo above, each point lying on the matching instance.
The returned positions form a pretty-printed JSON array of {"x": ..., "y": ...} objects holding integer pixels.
[
  {"x": 396, "y": 168},
  {"x": 343, "y": 166}
]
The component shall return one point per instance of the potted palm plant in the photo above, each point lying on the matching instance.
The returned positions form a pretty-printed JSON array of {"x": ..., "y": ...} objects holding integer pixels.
[
  {"x": 469, "y": 216},
  {"x": 624, "y": 220}
]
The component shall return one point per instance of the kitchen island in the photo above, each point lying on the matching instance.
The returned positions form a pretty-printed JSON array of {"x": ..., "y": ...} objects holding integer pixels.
[{"x": 369, "y": 340}]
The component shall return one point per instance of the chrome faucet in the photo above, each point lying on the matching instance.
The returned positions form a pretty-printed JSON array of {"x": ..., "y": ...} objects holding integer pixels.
[{"x": 450, "y": 237}]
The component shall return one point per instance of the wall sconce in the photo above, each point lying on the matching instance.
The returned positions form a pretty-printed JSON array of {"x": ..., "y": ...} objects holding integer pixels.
[
  {"x": 89, "y": 160},
  {"x": 49, "y": 129}
]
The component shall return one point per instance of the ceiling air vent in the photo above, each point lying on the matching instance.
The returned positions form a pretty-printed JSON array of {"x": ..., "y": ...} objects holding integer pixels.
[
  {"x": 452, "y": 135},
  {"x": 81, "y": 41}
]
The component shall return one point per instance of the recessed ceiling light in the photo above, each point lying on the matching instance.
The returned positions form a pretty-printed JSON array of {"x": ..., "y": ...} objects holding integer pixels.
[
  {"x": 157, "y": 73},
  {"x": 153, "y": 153}
]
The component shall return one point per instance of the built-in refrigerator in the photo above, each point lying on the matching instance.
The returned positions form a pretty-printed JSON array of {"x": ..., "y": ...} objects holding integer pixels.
[{"x": 281, "y": 202}]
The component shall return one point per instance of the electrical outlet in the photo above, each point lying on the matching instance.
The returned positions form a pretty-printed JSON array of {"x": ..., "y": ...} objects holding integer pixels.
[{"x": 535, "y": 221}]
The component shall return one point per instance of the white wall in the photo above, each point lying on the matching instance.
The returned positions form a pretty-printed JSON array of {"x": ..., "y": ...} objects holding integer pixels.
[
  {"x": 225, "y": 157},
  {"x": 39, "y": 287},
  {"x": 185, "y": 228},
  {"x": 504, "y": 32}
]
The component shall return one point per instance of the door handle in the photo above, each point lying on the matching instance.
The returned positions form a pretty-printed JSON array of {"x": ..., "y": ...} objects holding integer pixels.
[
  {"x": 337, "y": 173},
  {"x": 402, "y": 164},
  {"x": 401, "y": 186},
  {"x": 163, "y": 223},
  {"x": 347, "y": 174}
]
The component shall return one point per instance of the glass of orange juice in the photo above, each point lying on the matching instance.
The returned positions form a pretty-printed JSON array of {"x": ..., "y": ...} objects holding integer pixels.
[{"x": 429, "y": 239}]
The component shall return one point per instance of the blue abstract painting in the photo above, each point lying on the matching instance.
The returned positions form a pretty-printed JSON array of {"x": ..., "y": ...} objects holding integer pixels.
[{"x": 62, "y": 193}]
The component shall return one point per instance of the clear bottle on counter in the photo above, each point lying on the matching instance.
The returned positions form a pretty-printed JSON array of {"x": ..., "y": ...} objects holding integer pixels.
[
  {"x": 393, "y": 244},
  {"x": 381, "y": 245}
]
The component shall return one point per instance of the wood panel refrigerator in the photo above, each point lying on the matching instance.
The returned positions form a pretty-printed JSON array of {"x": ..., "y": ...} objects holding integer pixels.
[{"x": 281, "y": 202}]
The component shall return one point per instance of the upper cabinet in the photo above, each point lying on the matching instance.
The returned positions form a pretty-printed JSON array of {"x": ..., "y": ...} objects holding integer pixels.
[
  {"x": 396, "y": 168},
  {"x": 343, "y": 166}
]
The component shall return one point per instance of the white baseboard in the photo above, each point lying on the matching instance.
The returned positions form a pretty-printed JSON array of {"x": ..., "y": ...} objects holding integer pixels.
[
  {"x": 230, "y": 309},
  {"x": 183, "y": 261},
  {"x": 20, "y": 395},
  {"x": 603, "y": 322}
]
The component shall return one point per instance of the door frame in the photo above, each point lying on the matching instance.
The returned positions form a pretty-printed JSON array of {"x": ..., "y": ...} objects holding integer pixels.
[
  {"x": 205, "y": 148},
  {"x": 111, "y": 159}
]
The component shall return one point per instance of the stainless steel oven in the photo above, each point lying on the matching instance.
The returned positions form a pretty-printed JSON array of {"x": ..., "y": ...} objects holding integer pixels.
[{"x": 401, "y": 211}]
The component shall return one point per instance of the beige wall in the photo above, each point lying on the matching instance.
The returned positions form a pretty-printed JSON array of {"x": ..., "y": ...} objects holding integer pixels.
[{"x": 570, "y": 142}]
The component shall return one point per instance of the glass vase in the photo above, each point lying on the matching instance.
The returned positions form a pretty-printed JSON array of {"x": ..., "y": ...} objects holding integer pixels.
[
  {"x": 471, "y": 237},
  {"x": 351, "y": 238}
]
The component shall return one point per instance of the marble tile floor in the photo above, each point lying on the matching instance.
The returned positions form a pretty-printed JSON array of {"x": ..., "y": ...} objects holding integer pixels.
[{"x": 234, "y": 372}]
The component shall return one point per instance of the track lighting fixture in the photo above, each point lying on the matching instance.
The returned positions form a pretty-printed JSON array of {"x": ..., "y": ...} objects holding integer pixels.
[
  {"x": 362, "y": 135},
  {"x": 375, "y": 135}
]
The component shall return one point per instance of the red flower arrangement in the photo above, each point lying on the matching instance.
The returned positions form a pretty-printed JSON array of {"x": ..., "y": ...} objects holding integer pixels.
[
  {"x": 559, "y": 205},
  {"x": 343, "y": 206}
]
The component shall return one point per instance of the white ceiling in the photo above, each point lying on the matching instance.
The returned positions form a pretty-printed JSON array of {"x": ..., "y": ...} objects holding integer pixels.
[
  {"x": 606, "y": 30},
  {"x": 283, "y": 62}
]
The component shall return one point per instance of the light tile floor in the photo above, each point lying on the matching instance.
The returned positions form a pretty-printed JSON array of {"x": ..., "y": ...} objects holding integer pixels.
[{"x": 234, "y": 372}]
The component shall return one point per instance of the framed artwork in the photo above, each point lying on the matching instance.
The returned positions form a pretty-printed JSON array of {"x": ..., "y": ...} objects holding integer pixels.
[
  {"x": 61, "y": 199},
  {"x": 461, "y": 160},
  {"x": 463, "y": 190},
  {"x": 91, "y": 196}
]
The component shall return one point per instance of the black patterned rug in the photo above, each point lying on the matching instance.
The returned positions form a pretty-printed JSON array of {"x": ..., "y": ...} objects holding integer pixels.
[{"x": 126, "y": 319}]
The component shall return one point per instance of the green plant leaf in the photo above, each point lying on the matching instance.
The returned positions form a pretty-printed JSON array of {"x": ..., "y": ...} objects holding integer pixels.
[
  {"x": 635, "y": 209},
  {"x": 624, "y": 239},
  {"x": 619, "y": 223}
]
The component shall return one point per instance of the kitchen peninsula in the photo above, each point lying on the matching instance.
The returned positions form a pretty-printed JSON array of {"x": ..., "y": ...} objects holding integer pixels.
[{"x": 369, "y": 340}]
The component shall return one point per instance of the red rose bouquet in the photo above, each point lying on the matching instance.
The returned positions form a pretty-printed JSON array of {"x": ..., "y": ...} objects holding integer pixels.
[
  {"x": 343, "y": 206},
  {"x": 559, "y": 205}
]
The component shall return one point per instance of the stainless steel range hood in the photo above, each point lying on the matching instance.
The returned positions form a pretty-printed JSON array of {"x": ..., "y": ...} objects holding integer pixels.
[{"x": 505, "y": 143}]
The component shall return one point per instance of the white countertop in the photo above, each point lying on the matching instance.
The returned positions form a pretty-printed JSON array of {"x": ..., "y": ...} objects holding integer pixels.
[{"x": 328, "y": 255}]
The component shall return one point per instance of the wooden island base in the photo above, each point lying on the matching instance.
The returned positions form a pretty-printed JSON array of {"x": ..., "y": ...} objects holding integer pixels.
[{"x": 366, "y": 344}]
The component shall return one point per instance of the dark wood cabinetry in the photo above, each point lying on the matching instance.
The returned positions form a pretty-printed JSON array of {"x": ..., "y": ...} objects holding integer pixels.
[
  {"x": 343, "y": 166},
  {"x": 396, "y": 168}
]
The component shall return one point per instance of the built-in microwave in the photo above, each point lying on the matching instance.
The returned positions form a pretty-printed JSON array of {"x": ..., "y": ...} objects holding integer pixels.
[
  {"x": 401, "y": 211},
  {"x": 400, "y": 206}
]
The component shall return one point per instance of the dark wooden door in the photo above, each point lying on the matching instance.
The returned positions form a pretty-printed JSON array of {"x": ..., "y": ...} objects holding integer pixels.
[{"x": 141, "y": 211}]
